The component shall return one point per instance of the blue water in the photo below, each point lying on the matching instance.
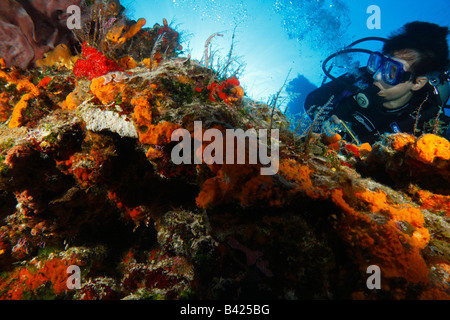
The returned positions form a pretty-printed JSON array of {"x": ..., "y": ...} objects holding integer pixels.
[{"x": 279, "y": 40}]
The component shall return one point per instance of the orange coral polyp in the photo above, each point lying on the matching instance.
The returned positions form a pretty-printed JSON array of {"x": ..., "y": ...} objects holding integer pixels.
[
  {"x": 149, "y": 133},
  {"x": 397, "y": 253},
  {"x": 300, "y": 174},
  {"x": 23, "y": 84},
  {"x": 142, "y": 111},
  {"x": 364, "y": 149},
  {"x": 127, "y": 63},
  {"x": 17, "y": 116},
  {"x": 429, "y": 147},
  {"x": 31, "y": 278},
  {"x": 435, "y": 202},
  {"x": 213, "y": 192},
  {"x": 134, "y": 29},
  {"x": 106, "y": 93},
  {"x": 5, "y": 108},
  {"x": 61, "y": 56},
  {"x": 159, "y": 134},
  {"x": 377, "y": 202},
  {"x": 401, "y": 141},
  {"x": 71, "y": 102}
]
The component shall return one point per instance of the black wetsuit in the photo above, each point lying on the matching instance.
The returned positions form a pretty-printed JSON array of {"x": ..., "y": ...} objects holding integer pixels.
[{"x": 370, "y": 122}]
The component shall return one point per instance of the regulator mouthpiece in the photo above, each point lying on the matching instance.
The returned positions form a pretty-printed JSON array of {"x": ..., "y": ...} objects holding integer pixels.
[{"x": 368, "y": 96}]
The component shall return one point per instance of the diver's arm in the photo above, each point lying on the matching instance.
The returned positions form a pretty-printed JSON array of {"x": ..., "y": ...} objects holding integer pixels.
[
  {"x": 342, "y": 86},
  {"x": 320, "y": 96}
]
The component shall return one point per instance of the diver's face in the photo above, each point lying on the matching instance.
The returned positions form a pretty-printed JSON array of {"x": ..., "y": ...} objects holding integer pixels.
[{"x": 398, "y": 95}]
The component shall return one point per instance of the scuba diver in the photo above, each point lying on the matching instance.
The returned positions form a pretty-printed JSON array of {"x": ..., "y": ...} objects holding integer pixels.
[{"x": 402, "y": 89}]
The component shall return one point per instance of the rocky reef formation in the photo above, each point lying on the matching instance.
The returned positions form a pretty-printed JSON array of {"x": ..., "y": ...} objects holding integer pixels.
[{"x": 87, "y": 179}]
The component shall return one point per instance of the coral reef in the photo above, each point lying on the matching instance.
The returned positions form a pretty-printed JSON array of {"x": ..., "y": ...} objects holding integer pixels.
[{"x": 87, "y": 178}]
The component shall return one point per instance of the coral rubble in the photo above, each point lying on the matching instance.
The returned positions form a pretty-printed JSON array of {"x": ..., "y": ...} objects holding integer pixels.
[{"x": 87, "y": 179}]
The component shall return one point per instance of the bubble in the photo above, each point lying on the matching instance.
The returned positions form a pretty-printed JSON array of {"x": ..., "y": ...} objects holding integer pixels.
[
  {"x": 225, "y": 12},
  {"x": 317, "y": 24}
]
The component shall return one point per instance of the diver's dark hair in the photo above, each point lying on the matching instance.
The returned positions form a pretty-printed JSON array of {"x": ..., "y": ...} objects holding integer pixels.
[{"x": 428, "y": 39}]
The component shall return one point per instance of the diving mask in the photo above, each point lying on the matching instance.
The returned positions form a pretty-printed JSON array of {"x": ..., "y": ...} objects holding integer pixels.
[{"x": 392, "y": 72}]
